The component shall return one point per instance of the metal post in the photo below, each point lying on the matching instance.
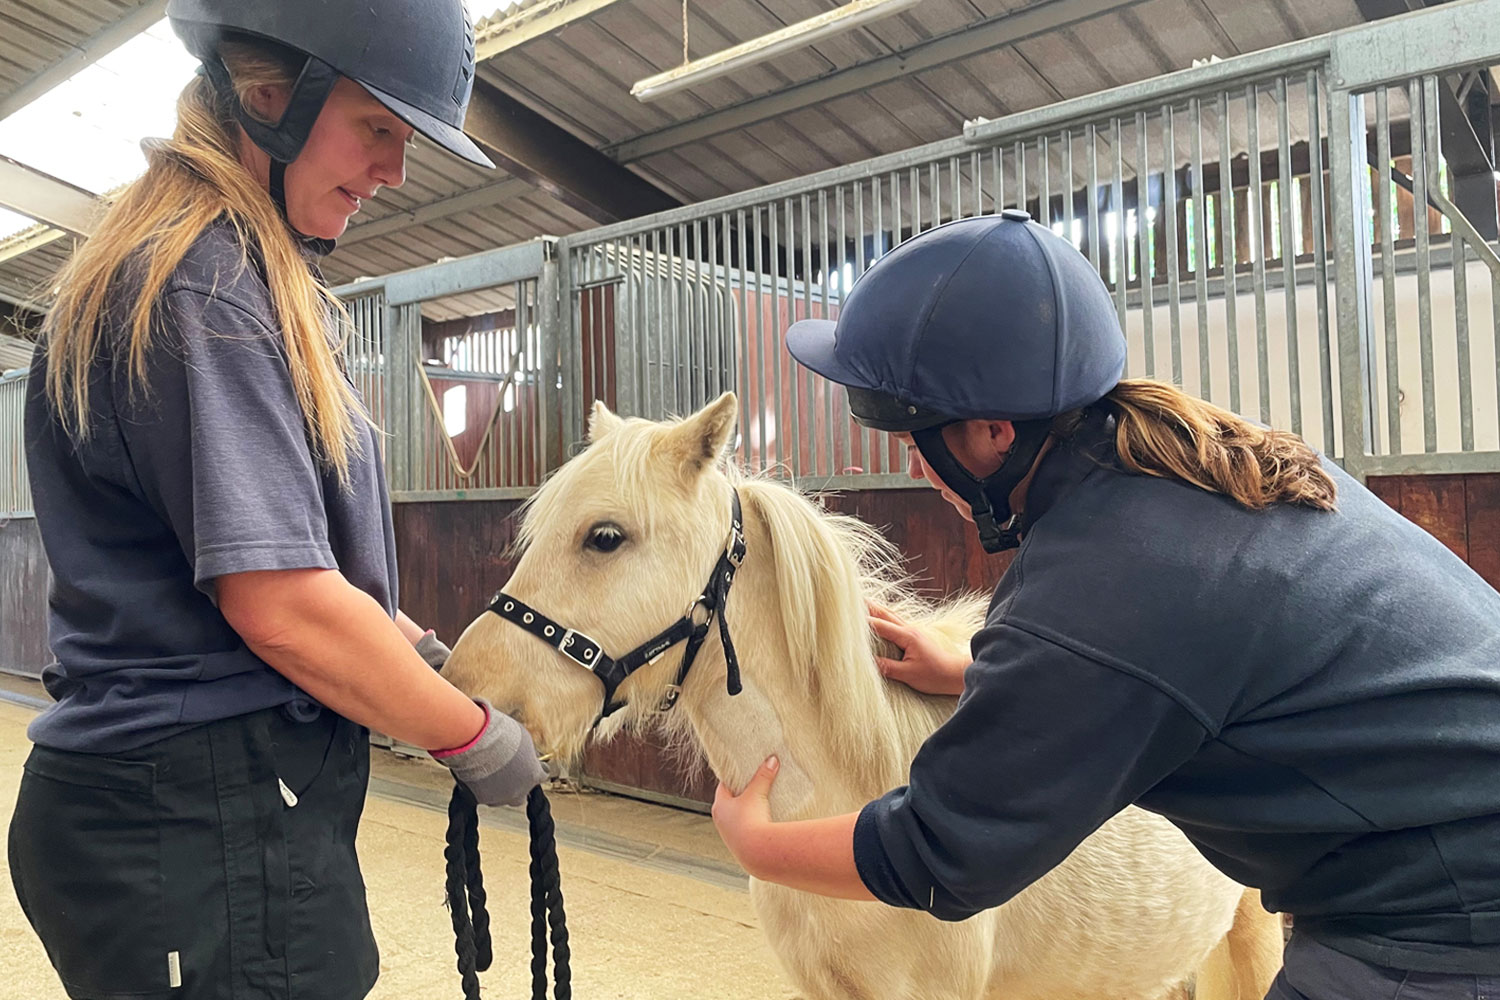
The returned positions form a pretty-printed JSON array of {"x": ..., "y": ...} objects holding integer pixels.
[
  {"x": 567, "y": 327},
  {"x": 1352, "y": 270},
  {"x": 556, "y": 402}
]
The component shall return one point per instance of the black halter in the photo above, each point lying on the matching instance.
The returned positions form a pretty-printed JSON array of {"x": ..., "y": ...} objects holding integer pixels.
[{"x": 589, "y": 654}]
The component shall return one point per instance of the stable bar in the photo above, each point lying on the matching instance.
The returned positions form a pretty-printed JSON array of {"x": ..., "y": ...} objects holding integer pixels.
[
  {"x": 661, "y": 334},
  {"x": 997, "y": 167},
  {"x": 1044, "y": 183},
  {"x": 1022, "y": 192},
  {"x": 781, "y": 425},
  {"x": 713, "y": 331},
  {"x": 1169, "y": 206},
  {"x": 837, "y": 405},
  {"x": 1387, "y": 223},
  {"x": 1091, "y": 141},
  {"x": 873, "y": 439},
  {"x": 1117, "y": 191},
  {"x": 746, "y": 365},
  {"x": 1145, "y": 265},
  {"x": 1320, "y": 252},
  {"x": 1420, "y": 137},
  {"x": 1258, "y": 251},
  {"x": 807, "y": 389},
  {"x": 1228, "y": 255},
  {"x": 1287, "y": 187},
  {"x": 821, "y": 385},
  {"x": 1460, "y": 277},
  {"x": 1348, "y": 159},
  {"x": 1067, "y": 173},
  {"x": 976, "y": 173},
  {"x": 1200, "y": 252}
]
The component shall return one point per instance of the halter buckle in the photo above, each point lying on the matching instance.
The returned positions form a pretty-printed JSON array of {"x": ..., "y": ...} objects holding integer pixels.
[{"x": 587, "y": 654}]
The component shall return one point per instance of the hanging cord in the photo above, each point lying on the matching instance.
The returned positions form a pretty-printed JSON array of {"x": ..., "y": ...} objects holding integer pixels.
[
  {"x": 489, "y": 428},
  {"x": 466, "y": 897},
  {"x": 684, "y": 33}
]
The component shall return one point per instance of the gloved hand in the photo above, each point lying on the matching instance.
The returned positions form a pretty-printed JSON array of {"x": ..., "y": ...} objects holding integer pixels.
[
  {"x": 500, "y": 765},
  {"x": 432, "y": 651}
]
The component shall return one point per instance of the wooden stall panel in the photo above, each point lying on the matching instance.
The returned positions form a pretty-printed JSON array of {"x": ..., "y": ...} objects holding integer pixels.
[
  {"x": 1440, "y": 506},
  {"x": 1483, "y": 502},
  {"x": 1461, "y": 511},
  {"x": 23, "y": 598}
]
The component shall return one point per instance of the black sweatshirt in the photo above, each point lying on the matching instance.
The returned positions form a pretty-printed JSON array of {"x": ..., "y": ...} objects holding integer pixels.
[{"x": 1312, "y": 697}]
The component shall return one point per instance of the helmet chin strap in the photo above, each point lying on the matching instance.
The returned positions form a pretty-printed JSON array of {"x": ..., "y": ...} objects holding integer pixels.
[
  {"x": 283, "y": 140},
  {"x": 988, "y": 498}
]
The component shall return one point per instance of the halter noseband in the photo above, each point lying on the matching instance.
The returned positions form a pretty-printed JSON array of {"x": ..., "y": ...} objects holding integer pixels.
[{"x": 588, "y": 654}]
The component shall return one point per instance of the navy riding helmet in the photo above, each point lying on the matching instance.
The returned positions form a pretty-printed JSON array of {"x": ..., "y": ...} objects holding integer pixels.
[
  {"x": 416, "y": 57},
  {"x": 989, "y": 318}
]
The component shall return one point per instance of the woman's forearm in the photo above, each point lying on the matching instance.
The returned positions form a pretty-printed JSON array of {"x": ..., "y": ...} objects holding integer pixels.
[
  {"x": 336, "y": 643},
  {"x": 814, "y": 855},
  {"x": 409, "y": 628}
]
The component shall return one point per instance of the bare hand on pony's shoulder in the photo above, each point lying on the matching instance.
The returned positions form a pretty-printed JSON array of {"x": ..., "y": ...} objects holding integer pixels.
[{"x": 925, "y": 664}]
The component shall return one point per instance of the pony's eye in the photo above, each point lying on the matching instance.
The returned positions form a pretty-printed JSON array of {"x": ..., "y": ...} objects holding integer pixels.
[{"x": 605, "y": 537}]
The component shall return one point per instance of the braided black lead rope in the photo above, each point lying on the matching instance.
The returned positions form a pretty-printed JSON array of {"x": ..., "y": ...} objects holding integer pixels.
[
  {"x": 547, "y": 904},
  {"x": 466, "y": 897},
  {"x": 463, "y": 827}
]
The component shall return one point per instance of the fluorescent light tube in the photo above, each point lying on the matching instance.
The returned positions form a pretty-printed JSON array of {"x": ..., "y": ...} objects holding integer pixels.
[{"x": 792, "y": 37}]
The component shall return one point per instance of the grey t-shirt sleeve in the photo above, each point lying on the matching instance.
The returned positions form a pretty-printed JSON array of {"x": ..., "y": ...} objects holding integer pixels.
[
  {"x": 218, "y": 445},
  {"x": 1045, "y": 746}
]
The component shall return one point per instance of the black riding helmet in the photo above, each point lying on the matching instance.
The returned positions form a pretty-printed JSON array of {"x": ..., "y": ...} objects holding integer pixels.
[
  {"x": 989, "y": 318},
  {"x": 416, "y": 57}
]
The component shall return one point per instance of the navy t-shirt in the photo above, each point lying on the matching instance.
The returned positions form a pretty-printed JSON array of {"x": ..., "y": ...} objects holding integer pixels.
[
  {"x": 205, "y": 470},
  {"x": 1313, "y": 698}
]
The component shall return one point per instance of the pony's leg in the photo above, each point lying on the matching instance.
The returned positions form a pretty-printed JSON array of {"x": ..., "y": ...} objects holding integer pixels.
[{"x": 1243, "y": 964}]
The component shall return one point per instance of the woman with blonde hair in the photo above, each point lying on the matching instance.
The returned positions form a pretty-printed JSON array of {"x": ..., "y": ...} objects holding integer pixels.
[
  {"x": 210, "y": 494},
  {"x": 1203, "y": 618}
]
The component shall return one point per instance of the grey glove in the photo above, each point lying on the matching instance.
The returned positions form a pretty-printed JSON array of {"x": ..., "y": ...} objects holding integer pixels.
[
  {"x": 432, "y": 651},
  {"x": 500, "y": 765}
]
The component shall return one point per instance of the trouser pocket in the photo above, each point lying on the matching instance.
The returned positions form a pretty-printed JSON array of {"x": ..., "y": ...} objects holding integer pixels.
[
  {"x": 330, "y": 950},
  {"x": 85, "y": 855}
]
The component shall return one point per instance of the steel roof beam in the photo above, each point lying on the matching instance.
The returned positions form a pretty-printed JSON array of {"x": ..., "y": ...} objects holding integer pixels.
[
  {"x": 998, "y": 32},
  {"x": 85, "y": 53}
]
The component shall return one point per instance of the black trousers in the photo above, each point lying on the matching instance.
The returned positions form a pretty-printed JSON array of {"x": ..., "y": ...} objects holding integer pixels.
[
  {"x": 182, "y": 870},
  {"x": 1314, "y": 971}
]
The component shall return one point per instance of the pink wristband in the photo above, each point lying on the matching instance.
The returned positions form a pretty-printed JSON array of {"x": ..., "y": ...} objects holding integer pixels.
[{"x": 439, "y": 754}]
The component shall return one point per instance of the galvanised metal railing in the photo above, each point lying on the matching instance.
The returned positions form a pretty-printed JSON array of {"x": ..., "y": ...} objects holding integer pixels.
[
  {"x": 1228, "y": 207},
  {"x": 457, "y": 363},
  {"x": 15, "y": 488}
]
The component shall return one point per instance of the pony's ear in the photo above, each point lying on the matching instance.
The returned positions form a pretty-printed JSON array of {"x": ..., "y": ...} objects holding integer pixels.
[
  {"x": 601, "y": 421},
  {"x": 700, "y": 439}
]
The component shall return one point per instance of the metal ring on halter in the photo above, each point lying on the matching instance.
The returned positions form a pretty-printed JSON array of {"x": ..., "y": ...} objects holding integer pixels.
[{"x": 695, "y": 604}]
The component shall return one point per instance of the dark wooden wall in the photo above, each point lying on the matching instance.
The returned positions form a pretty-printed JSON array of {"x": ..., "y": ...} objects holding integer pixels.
[
  {"x": 1462, "y": 512},
  {"x": 23, "y": 598},
  {"x": 454, "y": 556}
]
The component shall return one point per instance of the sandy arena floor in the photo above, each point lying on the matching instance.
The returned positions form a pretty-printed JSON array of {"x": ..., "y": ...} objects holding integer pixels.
[{"x": 656, "y": 908}]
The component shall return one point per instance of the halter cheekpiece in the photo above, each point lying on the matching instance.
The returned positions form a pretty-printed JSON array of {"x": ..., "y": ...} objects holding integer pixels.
[{"x": 589, "y": 654}]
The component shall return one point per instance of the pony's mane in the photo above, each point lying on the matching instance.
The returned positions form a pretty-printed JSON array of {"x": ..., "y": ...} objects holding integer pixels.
[{"x": 828, "y": 565}]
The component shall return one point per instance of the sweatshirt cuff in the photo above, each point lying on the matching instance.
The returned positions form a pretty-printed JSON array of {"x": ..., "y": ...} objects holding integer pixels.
[{"x": 873, "y": 862}]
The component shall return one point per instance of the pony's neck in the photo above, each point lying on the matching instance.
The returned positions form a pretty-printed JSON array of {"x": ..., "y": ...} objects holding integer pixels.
[{"x": 843, "y": 734}]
